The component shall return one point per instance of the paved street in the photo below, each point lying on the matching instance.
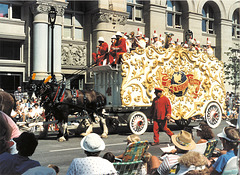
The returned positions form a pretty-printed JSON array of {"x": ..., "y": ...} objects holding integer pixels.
[{"x": 50, "y": 151}]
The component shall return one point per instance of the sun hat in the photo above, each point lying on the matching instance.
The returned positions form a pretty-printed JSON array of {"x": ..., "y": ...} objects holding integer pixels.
[
  {"x": 183, "y": 169},
  {"x": 224, "y": 135},
  {"x": 197, "y": 128},
  {"x": 113, "y": 37},
  {"x": 183, "y": 140},
  {"x": 118, "y": 33},
  {"x": 232, "y": 123},
  {"x": 92, "y": 143},
  {"x": 101, "y": 39}
]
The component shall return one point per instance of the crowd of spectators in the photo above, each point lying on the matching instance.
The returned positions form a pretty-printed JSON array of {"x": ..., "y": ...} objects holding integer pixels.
[{"x": 232, "y": 106}]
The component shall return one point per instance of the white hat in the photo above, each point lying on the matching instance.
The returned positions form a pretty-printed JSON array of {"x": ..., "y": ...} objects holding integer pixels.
[
  {"x": 92, "y": 143},
  {"x": 197, "y": 128},
  {"x": 155, "y": 35},
  {"x": 224, "y": 135},
  {"x": 139, "y": 33},
  {"x": 125, "y": 37},
  {"x": 19, "y": 87},
  {"x": 101, "y": 39},
  {"x": 183, "y": 169},
  {"x": 197, "y": 42},
  {"x": 146, "y": 39},
  {"x": 185, "y": 45},
  {"x": 161, "y": 38},
  {"x": 208, "y": 42},
  {"x": 113, "y": 37},
  {"x": 118, "y": 33}
]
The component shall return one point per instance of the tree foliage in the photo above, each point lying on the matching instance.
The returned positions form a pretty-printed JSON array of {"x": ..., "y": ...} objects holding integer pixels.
[{"x": 232, "y": 67}]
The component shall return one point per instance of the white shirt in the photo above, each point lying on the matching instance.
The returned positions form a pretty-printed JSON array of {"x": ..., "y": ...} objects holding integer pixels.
[
  {"x": 157, "y": 44},
  {"x": 90, "y": 166}
]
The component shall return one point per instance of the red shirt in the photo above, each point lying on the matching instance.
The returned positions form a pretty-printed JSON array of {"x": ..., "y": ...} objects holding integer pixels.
[
  {"x": 103, "y": 49},
  {"x": 121, "y": 43},
  {"x": 161, "y": 107}
]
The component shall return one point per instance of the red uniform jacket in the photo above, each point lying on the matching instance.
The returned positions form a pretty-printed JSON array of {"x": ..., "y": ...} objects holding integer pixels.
[
  {"x": 161, "y": 107},
  {"x": 121, "y": 43},
  {"x": 103, "y": 49},
  {"x": 101, "y": 55}
]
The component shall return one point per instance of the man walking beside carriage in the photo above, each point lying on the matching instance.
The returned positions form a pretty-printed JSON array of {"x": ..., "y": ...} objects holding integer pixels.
[{"x": 160, "y": 113}]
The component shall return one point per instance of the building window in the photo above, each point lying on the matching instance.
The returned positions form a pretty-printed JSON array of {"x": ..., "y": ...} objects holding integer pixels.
[
  {"x": 10, "y": 11},
  {"x": 73, "y": 23},
  {"x": 208, "y": 19},
  {"x": 10, "y": 50},
  {"x": 236, "y": 24},
  {"x": 135, "y": 10},
  {"x": 174, "y": 13}
]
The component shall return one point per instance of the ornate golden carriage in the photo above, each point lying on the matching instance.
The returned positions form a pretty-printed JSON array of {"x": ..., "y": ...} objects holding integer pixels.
[{"x": 193, "y": 81}]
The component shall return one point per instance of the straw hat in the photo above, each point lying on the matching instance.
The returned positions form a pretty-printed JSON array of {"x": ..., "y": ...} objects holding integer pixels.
[
  {"x": 92, "y": 143},
  {"x": 183, "y": 140}
]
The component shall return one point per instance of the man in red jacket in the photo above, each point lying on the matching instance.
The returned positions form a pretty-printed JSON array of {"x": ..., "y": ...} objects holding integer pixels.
[
  {"x": 102, "y": 52},
  {"x": 119, "y": 48},
  {"x": 160, "y": 113}
]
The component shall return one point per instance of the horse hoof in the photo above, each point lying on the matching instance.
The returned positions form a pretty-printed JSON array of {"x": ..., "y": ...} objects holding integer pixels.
[
  {"x": 104, "y": 135},
  {"x": 61, "y": 139}
]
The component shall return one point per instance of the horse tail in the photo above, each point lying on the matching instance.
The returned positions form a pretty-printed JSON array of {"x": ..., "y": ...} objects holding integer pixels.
[{"x": 14, "y": 100}]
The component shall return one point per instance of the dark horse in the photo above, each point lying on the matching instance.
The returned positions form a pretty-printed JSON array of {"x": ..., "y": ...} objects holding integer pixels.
[
  {"x": 7, "y": 102},
  {"x": 68, "y": 102}
]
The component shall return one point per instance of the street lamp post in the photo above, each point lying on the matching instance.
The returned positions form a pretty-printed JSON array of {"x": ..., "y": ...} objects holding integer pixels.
[{"x": 52, "y": 18}]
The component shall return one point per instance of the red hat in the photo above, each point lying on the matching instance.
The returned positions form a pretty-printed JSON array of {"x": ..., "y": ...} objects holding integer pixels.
[{"x": 158, "y": 89}]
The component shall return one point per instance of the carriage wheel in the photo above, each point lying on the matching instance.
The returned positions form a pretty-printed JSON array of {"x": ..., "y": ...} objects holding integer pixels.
[
  {"x": 213, "y": 114},
  {"x": 183, "y": 122},
  {"x": 137, "y": 122}
]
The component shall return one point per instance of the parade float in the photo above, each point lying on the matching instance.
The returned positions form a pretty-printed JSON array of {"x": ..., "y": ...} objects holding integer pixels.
[{"x": 193, "y": 81}]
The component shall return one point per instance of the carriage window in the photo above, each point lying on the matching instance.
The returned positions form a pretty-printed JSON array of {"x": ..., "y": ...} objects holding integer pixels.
[
  {"x": 10, "y": 11},
  {"x": 174, "y": 13},
  {"x": 236, "y": 24},
  {"x": 10, "y": 50},
  {"x": 208, "y": 19},
  {"x": 135, "y": 10}
]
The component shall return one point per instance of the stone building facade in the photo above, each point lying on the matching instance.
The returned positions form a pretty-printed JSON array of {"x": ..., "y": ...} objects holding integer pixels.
[{"x": 25, "y": 33}]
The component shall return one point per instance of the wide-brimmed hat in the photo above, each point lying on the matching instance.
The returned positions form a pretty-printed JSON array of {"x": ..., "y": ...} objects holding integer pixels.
[
  {"x": 224, "y": 135},
  {"x": 155, "y": 35},
  {"x": 114, "y": 37},
  {"x": 139, "y": 33},
  {"x": 92, "y": 143},
  {"x": 232, "y": 123},
  {"x": 197, "y": 128},
  {"x": 118, "y": 34},
  {"x": 183, "y": 140},
  {"x": 101, "y": 39}
]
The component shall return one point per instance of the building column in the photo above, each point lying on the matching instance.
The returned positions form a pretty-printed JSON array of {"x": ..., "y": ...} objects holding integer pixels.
[
  {"x": 57, "y": 36},
  {"x": 40, "y": 40}
]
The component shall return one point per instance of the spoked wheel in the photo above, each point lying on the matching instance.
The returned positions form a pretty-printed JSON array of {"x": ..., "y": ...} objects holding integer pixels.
[
  {"x": 183, "y": 122},
  {"x": 137, "y": 122},
  {"x": 213, "y": 114}
]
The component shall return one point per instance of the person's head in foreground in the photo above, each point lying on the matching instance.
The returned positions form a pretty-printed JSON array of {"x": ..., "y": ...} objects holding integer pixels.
[
  {"x": 229, "y": 138},
  {"x": 133, "y": 138},
  {"x": 26, "y": 144},
  {"x": 92, "y": 144},
  {"x": 5, "y": 134},
  {"x": 193, "y": 163},
  {"x": 183, "y": 142},
  {"x": 204, "y": 131}
]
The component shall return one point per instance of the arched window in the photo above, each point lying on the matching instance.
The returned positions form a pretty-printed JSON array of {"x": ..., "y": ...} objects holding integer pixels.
[
  {"x": 236, "y": 24},
  {"x": 174, "y": 13},
  {"x": 208, "y": 19}
]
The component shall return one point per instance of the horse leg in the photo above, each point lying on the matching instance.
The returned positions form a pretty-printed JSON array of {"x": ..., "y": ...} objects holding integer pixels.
[
  {"x": 62, "y": 129},
  {"x": 89, "y": 129},
  {"x": 105, "y": 129}
]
